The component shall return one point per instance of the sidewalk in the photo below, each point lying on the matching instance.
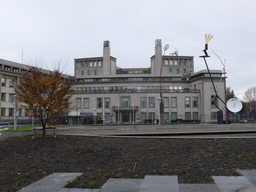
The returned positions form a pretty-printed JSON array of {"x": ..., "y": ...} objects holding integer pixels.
[
  {"x": 164, "y": 130},
  {"x": 56, "y": 182}
]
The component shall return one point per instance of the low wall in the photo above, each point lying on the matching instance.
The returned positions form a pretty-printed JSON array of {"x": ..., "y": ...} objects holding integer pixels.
[{"x": 21, "y": 133}]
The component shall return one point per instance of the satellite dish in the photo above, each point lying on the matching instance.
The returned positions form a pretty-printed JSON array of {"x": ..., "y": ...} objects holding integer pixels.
[
  {"x": 166, "y": 47},
  {"x": 234, "y": 105},
  {"x": 175, "y": 53}
]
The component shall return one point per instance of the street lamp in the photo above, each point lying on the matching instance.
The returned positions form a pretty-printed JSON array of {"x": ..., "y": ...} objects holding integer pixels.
[
  {"x": 14, "y": 115},
  {"x": 161, "y": 119}
]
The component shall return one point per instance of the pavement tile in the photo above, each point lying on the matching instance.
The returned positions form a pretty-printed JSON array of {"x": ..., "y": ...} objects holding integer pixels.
[
  {"x": 234, "y": 183},
  {"x": 123, "y": 185},
  {"x": 53, "y": 182},
  {"x": 78, "y": 190},
  {"x": 159, "y": 184},
  {"x": 249, "y": 174},
  {"x": 198, "y": 188}
]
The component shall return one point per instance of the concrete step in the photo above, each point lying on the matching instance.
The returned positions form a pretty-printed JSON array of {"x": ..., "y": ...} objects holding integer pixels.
[
  {"x": 234, "y": 183},
  {"x": 56, "y": 181},
  {"x": 122, "y": 185},
  {"x": 53, "y": 182},
  {"x": 152, "y": 183}
]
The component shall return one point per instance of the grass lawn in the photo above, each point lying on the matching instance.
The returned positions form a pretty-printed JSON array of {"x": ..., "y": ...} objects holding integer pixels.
[
  {"x": 22, "y": 128},
  {"x": 25, "y": 160}
]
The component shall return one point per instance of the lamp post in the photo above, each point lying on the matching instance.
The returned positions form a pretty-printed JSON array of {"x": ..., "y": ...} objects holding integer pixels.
[
  {"x": 161, "y": 118},
  {"x": 94, "y": 115},
  {"x": 224, "y": 71},
  {"x": 14, "y": 115}
]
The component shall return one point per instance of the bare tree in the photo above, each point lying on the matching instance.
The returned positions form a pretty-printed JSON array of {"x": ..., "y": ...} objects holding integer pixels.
[{"x": 250, "y": 95}]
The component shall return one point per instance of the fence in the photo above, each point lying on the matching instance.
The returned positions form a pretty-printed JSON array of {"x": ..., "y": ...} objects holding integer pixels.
[{"x": 21, "y": 121}]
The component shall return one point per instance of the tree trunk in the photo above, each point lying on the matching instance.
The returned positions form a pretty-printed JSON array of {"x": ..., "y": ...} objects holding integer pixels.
[{"x": 44, "y": 131}]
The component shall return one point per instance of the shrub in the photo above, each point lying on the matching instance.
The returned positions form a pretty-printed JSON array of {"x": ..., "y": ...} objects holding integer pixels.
[
  {"x": 82, "y": 185},
  {"x": 93, "y": 183}
]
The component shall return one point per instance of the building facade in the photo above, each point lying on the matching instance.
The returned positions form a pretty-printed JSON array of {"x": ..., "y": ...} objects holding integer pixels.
[
  {"x": 112, "y": 94},
  {"x": 104, "y": 92}
]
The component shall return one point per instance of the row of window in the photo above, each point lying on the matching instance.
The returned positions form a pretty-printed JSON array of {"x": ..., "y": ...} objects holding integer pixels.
[
  {"x": 178, "y": 71},
  {"x": 176, "y": 61},
  {"x": 151, "y": 115},
  {"x": 89, "y": 72},
  {"x": 4, "y": 80},
  {"x": 126, "y": 101},
  {"x": 85, "y": 104},
  {"x": 128, "y": 79},
  {"x": 97, "y": 63},
  {"x": 4, "y": 98},
  {"x": 10, "y": 112},
  {"x": 14, "y": 69},
  {"x": 126, "y": 88},
  {"x": 173, "y": 100}
]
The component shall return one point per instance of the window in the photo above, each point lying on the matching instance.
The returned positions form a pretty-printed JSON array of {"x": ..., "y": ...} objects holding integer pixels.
[
  {"x": 174, "y": 115},
  {"x": 2, "y": 111},
  {"x": 90, "y": 63},
  {"x": 143, "y": 102},
  {"x": 88, "y": 72},
  {"x": 95, "y": 72},
  {"x": 107, "y": 116},
  {"x": 166, "y": 116},
  {"x": 151, "y": 101},
  {"x": 11, "y": 112},
  {"x": 3, "y": 82},
  {"x": 195, "y": 115},
  {"x": 166, "y": 102},
  {"x": 86, "y": 103},
  {"x": 174, "y": 102},
  {"x": 78, "y": 103},
  {"x": 171, "y": 62},
  {"x": 184, "y": 71},
  {"x": 170, "y": 70},
  {"x": 125, "y": 101},
  {"x": 178, "y": 71},
  {"x": 99, "y": 116},
  {"x": 143, "y": 116},
  {"x": 107, "y": 102},
  {"x": 195, "y": 102},
  {"x": 213, "y": 115},
  {"x": 82, "y": 73},
  {"x": 187, "y": 116},
  {"x": 3, "y": 96},
  {"x": 26, "y": 112},
  {"x": 187, "y": 102},
  {"x": 99, "y": 102},
  {"x": 175, "y": 62},
  {"x": 180, "y": 62},
  {"x": 99, "y": 63},
  {"x": 11, "y": 97},
  {"x": 19, "y": 112},
  {"x": 151, "y": 115},
  {"x": 214, "y": 101},
  {"x": 166, "y": 61},
  {"x": 11, "y": 83},
  {"x": 95, "y": 64}
]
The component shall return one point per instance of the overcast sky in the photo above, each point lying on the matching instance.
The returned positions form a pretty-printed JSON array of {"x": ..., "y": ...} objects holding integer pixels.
[{"x": 62, "y": 30}]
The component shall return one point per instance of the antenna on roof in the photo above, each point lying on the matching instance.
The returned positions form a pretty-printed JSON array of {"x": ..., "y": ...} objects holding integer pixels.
[
  {"x": 22, "y": 56},
  {"x": 174, "y": 53}
]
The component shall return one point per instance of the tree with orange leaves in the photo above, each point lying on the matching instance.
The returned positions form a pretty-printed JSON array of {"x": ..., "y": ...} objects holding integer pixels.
[{"x": 45, "y": 95}]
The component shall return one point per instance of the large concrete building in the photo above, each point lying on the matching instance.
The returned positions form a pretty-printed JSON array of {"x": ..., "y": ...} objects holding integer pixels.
[
  {"x": 131, "y": 95},
  {"x": 103, "y": 91}
]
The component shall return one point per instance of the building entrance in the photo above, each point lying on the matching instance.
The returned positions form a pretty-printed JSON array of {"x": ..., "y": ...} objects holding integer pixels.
[{"x": 125, "y": 116}]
